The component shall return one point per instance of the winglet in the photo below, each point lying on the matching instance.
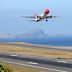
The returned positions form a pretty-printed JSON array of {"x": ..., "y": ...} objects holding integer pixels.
[{"x": 35, "y": 14}]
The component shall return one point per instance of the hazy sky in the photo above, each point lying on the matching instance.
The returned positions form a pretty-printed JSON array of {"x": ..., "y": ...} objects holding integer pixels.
[{"x": 11, "y": 10}]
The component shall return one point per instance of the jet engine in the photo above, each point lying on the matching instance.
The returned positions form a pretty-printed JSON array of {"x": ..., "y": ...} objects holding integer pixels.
[
  {"x": 51, "y": 16},
  {"x": 37, "y": 16},
  {"x": 36, "y": 20}
]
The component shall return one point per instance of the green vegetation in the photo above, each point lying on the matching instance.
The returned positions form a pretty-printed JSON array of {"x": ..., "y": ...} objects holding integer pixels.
[{"x": 4, "y": 69}]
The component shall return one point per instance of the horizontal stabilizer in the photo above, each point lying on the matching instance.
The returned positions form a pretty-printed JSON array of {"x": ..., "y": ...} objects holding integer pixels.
[{"x": 32, "y": 20}]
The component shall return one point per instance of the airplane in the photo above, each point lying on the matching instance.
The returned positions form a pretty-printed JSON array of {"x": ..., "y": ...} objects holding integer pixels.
[{"x": 41, "y": 17}]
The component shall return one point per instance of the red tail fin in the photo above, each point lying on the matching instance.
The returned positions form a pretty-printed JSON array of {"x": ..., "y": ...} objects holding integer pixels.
[{"x": 35, "y": 14}]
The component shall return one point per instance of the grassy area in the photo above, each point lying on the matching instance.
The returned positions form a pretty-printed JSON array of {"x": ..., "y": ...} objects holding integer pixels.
[
  {"x": 15, "y": 68},
  {"x": 27, "y": 44},
  {"x": 37, "y": 52},
  {"x": 22, "y": 43}
]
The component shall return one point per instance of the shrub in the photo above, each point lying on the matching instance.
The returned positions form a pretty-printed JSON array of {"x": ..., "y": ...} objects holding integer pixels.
[{"x": 5, "y": 69}]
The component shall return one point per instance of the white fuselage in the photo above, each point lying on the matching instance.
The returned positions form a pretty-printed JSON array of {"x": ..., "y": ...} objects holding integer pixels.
[{"x": 40, "y": 17}]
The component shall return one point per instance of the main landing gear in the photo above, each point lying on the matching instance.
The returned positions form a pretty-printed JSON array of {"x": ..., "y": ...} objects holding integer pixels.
[{"x": 46, "y": 20}]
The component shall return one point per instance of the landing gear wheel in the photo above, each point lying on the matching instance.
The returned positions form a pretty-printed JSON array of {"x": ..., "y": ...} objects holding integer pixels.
[{"x": 46, "y": 20}]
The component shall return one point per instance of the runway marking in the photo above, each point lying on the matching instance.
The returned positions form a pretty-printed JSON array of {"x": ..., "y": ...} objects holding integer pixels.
[
  {"x": 62, "y": 61},
  {"x": 36, "y": 56},
  {"x": 32, "y": 63},
  {"x": 13, "y": 55},
  {"x": 33, "y": 66}
]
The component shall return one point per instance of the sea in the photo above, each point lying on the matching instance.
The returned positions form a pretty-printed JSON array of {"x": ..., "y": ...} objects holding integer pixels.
[{"x": 65, "y": 41}]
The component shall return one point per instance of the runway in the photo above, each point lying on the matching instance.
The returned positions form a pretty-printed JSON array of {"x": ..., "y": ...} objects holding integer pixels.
[
  {"x": 63, "y": 49},
  {"x": 36, "y": 62}
]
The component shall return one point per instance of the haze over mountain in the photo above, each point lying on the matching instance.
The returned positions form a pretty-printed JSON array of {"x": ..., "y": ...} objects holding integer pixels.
[
  {"x": 6, "y": 35},
  {"x": 35, "y": 33},
  {"x": 37, "y": 36}
]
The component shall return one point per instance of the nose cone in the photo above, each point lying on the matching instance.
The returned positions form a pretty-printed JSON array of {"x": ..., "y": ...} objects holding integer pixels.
[{"x": 46, "y": 11}]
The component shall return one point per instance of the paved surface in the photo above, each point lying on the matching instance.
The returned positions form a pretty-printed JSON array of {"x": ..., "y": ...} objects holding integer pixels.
[
  {"x": 41, "y": 63},
  {"x": 63, "y": 49},
  {"x": 37, "y": 62}
]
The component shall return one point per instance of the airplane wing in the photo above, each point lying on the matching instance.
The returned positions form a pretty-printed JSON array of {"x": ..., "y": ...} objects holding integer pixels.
[
  {"x": 28, "y": 16},
  {"x": 51, "y": 16}
]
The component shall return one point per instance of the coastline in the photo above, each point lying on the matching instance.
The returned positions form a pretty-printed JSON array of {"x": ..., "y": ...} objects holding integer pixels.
[{"x": 15, "y": 47}]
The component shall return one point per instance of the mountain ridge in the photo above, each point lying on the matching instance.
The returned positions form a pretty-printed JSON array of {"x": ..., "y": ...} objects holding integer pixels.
[{"x": 35, "y": 33}]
